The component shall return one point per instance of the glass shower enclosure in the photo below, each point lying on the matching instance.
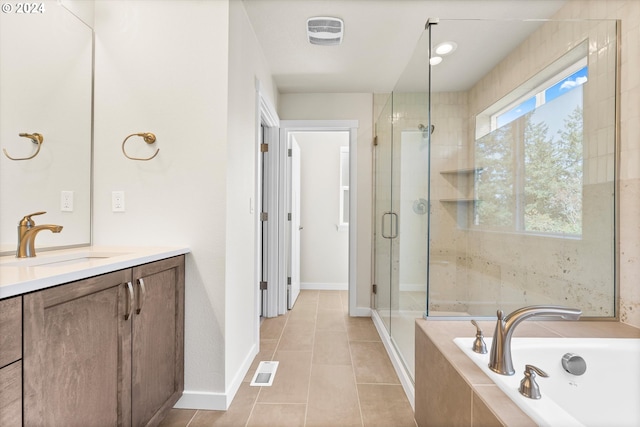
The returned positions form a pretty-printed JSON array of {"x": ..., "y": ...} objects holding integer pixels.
[{"x": 494, "y": 175}]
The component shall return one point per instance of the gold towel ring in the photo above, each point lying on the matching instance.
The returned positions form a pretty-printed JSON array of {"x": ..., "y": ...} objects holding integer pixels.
[
  {"x": 148, "y": 137},
  {"x": 36, "y": 138}
]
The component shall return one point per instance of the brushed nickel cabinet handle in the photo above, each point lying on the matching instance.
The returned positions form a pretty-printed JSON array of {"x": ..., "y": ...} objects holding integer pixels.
[
  {"x": 143, "y": 294},
  {"x": 129, "y": 301}
]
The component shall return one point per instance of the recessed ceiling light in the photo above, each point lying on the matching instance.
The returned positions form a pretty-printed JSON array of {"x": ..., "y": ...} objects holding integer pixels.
[
  {"x": 435, "y": 60},
  {"x": 445, "y": 48}
]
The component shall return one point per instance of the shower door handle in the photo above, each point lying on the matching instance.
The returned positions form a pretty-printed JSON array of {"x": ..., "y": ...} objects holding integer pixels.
[{"x": 394, "y": 229}]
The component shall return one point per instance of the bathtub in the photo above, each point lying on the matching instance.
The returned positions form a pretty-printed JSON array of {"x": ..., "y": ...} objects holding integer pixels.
[{"x": 606, "y": 395}]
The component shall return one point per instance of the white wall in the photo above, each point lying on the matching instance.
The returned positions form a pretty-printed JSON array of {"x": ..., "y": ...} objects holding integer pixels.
[
  {"x": 166, "y": 67},
  {"x": 324, "y": 249},
  {"x": 246, "y": 64},
  {"x": 345, "y": 106}
]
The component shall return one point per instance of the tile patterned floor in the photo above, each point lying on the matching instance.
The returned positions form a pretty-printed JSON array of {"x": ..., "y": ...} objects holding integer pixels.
[{"x": 333, "y": 371}]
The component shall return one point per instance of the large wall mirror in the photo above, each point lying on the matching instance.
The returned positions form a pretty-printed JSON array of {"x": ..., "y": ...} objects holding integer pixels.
[{"x": 46, "y": 75}]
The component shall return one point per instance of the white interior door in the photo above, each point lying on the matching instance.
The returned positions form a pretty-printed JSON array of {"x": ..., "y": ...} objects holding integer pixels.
[{"x": 294, "y": 287}]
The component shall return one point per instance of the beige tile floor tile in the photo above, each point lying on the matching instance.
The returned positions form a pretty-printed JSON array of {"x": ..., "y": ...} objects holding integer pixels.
[
  {"x": 371, "y": 363},
  {"x": 385, "y": 405},
  {"x": 331, "y": 320},
  {"x": 361, "y": 329},
  {"x": 297, "y": 337},
  {"x": 278, "y": 414},
  {"x": 333, "y": 372},
  {"x": 330, "y": 300},
  {"x": 333, "y": 397},
  {"x": 272, "y": 328},
  {"x": 178, "y": 418},
  {"x": 291, "y": 383},
  {"x": 331, "y": 348}
]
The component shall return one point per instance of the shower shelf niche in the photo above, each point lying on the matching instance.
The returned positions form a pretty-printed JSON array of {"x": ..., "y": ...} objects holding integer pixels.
[
  {"x": 464, "y": 171},
  {"x": 463, "y": 183}
]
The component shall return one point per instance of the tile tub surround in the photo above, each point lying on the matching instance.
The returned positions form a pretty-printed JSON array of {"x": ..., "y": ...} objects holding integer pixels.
[{"x": 447, "y": 381}]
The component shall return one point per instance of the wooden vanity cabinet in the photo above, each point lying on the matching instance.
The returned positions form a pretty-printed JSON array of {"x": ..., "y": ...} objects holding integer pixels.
[
  {"x": 157, "y": 340},
  {"x": 76, "y": 343},
  {"x": 107, "y": 350},
  {"x": 10, "y": 362}
]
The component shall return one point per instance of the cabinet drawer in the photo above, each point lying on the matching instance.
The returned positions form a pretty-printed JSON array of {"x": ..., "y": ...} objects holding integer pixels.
[{"x": 10, "y": 330}]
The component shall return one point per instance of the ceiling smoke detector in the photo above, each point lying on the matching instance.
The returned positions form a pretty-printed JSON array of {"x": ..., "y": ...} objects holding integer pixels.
[{"x": 325, "y": 31}]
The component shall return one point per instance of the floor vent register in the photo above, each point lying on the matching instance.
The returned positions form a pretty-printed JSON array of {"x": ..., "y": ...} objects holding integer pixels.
[{"x": 265, "y": 373}]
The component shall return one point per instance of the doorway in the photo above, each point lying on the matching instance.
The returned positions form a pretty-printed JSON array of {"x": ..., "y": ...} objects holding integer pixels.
[
  {"x": 322, "y": 191},
  {"x": 344, "y": 220}
]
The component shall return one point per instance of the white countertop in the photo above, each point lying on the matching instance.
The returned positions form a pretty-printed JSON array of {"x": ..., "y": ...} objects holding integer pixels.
[{"x": 22, "y": 275}]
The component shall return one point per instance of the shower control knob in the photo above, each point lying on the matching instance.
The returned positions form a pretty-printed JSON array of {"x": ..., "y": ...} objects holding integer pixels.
[{"x": 574, "y": 364}]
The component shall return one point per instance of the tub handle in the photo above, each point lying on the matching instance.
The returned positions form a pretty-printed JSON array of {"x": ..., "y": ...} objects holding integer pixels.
[
  {"x": 528, "y": 386},
  {"x": 478, "y": 345}
]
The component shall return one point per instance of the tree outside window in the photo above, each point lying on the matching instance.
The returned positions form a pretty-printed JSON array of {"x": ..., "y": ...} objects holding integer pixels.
[{"x": 532, "y": 175}]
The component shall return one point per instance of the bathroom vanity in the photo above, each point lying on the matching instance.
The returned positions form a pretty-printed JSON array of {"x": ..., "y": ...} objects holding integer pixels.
[{"x": 103, "y": 348}]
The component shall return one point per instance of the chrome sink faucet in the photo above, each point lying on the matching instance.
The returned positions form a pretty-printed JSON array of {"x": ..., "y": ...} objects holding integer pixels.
[
  {"x": 27, "y": 231},
  {"x": 500, "y": 357}
]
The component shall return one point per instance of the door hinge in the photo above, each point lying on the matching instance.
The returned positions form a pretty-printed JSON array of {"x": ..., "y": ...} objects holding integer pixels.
[
  {"x": 264, "y": 148},
  {"x": 288, "y": 280},
  {"x": 289, "y": 152},
  {"x": 289, "y": 216},
  {"x": 375, "y": 140},
  {"x": 374, "y": 288},
  {"x": 263, "y": 286},
  {"x": 264, "y": 216}
]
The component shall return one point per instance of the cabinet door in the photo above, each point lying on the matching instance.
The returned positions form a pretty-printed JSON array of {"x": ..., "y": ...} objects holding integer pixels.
[
  {"x": 10, "y": 364},
  {"x": 76, "y": 353},
  {"x": 11, "y": 395},
  {"x": 10, "y": 330},
  {"x": 157, "y": 340}
]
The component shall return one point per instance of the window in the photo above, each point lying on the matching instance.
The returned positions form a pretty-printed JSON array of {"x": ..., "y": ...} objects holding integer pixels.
[
  {"x": 343, "y": 221},
  {"x": 531, "y": 157}
]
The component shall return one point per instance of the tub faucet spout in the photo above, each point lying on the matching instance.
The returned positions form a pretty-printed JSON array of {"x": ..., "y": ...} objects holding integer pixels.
[{"x": 500, "y": 357}]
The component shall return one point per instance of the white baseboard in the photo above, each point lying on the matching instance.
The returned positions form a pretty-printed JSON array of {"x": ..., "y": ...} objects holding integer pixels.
[
  {"x": 213, "y": 401},
  {"x": 325, "y": 286},
  {"x": 361, "y": 312},
  {"x": 403, "y": 375},
  {"x": 202, "y": 400}
]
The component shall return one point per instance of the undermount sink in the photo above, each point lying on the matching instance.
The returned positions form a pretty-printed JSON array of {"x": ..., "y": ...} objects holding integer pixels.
[{"x": 57, "y": 260}]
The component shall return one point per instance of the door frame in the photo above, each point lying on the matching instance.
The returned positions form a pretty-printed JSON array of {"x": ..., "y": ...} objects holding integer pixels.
[
  {"x": 293, "y": 268},
  {"x": 351, "y": 126},
  {"x": 267, "y": 117}
]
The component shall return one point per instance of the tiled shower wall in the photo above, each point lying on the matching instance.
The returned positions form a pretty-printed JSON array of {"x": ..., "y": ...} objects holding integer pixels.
[
  {"x": 540, "y": 270},
  {"x": 629, "y": 246},
  {"x": 597, "y": 167},
  {"x": 599, "y": 161}
]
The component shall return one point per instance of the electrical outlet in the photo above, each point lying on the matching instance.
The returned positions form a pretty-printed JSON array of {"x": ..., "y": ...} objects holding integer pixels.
[
  {"x": 66, "y": 201},
  {"x": 117, "y": 201}
]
